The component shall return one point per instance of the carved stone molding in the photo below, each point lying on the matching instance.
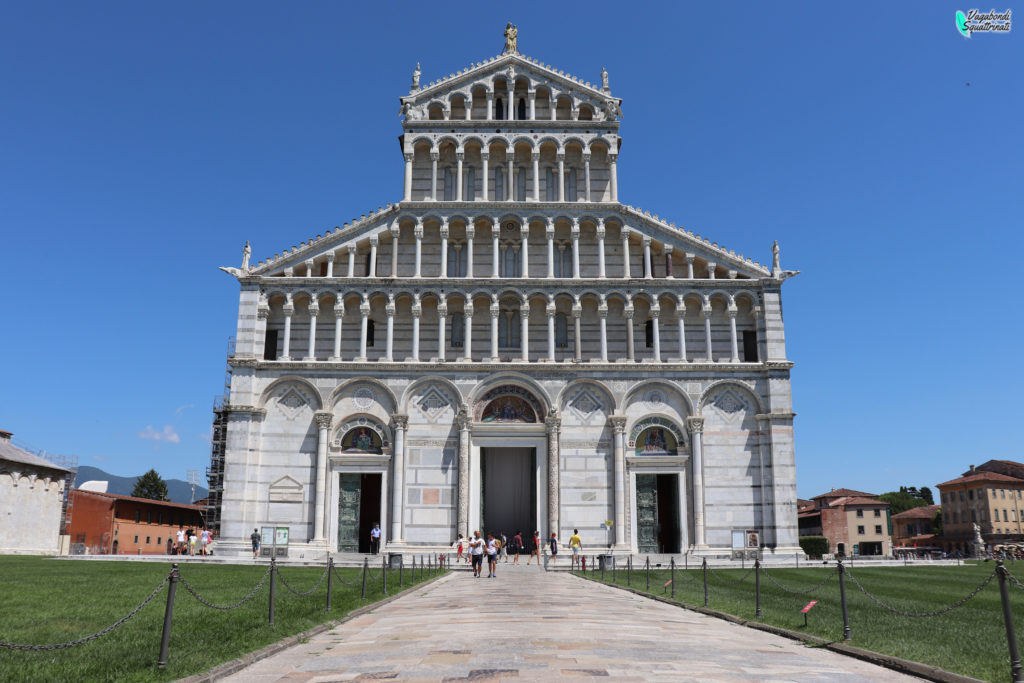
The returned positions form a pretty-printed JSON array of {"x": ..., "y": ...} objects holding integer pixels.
[
  {"x": 323, "y": 419},
  {"x": 618, "y": 423},
  {"x": 695, "y": 425}
]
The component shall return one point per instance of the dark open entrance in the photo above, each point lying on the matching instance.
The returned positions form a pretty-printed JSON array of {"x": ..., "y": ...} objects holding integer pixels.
[
  {"x": 509, "y": 491},
  {"x": 657, "y": 503},
  {"x": 358, "y": 510}
]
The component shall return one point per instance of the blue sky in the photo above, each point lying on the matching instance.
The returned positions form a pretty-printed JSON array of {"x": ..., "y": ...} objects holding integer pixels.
[{"x": 141, "y": 144}]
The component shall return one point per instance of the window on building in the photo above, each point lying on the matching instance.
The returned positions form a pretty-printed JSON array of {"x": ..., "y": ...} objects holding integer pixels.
[
  {"x": 136, "y": 540},
  {"x": 956, "y": 517},
  {"x": 507, "y": 324},
  {"x": 521, "y": 109},
  {"x": 550, "y": 188},
  {"x": 570, "y": 185},
  {"x": 878, "y": 528},
  {"x": 138, "y": 515},
  {"x": 449, "y": 184},
  {"x": 860, "y": 513},
  {"x": 149, "y": 517},
  {"x": 649, "y": 333},
  {"x": 159, "y": 540},
  {"x": 1002, "y": 493},
  {"x": 973, "y": 516},
  {"x": 970, "y": 494},
  {"x": 521, "y": 184},
  {"x": 370, "y": 332},
  {"x": 160, "y": 517},
  {"x": 561, "y": 330},
  {"x": 469, "y": 184},
  {"x": 510, "y": 262},
  {"x": 499, "y": 184},
  {"x": 749, "y": 346},
  {"x": 961, "y": 495},
  {"x": 499, "y": 109},
  {"x": 1006, "y": 518},
  {"x": 147, "y": 540},
  {"x": 878, "y": 513},
  {"x": 323, "y": 269},
  {"x": 910, "y": 529},
  {"x": 270, "y": 345},
  {"x": 458, "y": 331},
  {"x": 860, "y": 530}
]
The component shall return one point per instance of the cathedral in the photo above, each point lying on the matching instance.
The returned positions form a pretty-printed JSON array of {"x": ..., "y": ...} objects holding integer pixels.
[{"x": 509, "y": 348}]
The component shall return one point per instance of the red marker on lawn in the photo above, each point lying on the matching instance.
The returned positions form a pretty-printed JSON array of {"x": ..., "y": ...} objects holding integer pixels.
[{"x": 807, "y": 608}]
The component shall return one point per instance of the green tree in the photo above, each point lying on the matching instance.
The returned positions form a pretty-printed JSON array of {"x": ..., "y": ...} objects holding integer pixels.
[
  {"x": 937, "y": 523},
  {"x": 901, "y": 501},
  {"x": 150, "y": 485},
  {"x": 926, "y": 494}
]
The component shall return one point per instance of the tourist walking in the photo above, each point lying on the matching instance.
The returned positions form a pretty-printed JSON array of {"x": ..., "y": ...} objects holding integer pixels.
[
  {"x": 534, "y": 549},
  {"x": 504, "y": 546},
  {"x": 375, "y": 539},
  {"x": 517, "y": 547},
  {"x": 192, "y": 542},
  {"x": 255, "y": 538},
  {"x": 204, "y": 541},
  {"x": 458, "y": 550},
  {"x": 180, "y": 547},
  {"x": 576, "y": 546},
  {"x": 492, "y": 556},
  {"x": 476, "y": 553},
  {"x": 553, "y": 542}
]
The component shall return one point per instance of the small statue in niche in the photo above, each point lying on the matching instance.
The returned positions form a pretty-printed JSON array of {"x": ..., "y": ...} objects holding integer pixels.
[
  {"x": 611, "y": 109},
  {"x": 416, "y": 77}
]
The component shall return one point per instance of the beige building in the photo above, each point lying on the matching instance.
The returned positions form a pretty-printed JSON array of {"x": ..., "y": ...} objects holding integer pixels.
[
  {"x": 854, "y": 522},
  {"x": 31, "y": 501},
  {"x": 992, "y": 500},
  {"x": 913, "y": 532}
]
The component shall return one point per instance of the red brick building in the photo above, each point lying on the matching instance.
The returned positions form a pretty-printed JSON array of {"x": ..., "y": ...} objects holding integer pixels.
[
  {"x": 108, "y": 524},
  {"x": 854, "y": 522}
]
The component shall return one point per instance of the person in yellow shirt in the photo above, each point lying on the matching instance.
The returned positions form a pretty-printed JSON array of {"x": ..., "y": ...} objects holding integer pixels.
[{"x": 576, "y": 545}]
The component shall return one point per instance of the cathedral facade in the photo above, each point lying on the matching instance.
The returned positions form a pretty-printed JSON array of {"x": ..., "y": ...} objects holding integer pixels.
[{"x": 510, "y": 348}]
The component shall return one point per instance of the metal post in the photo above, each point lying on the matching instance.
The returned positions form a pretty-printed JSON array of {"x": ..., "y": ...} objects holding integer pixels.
[
  {"x": 842, "y": 599},
  {"x": 401, "y": 566},
  {"x": 672, "y": 575},
  {"x": 704, "y": 566},
  {"x": 1011, "y": 638},
  {"x": 330, "y": 581},
  {"x": 366, "y": 564},
  {"x": 384, "y": 574},
  {"x": 613, "y": 570},
  {"x": 648, "y": 573},
  {"x": 602, "y": 570},
  {"x": 686, "y": 561},
  {"x": 797, "y": 555},
  {"x": 629, "y": 571},
  {"x": 757, "y": 586},
  {"x": 165, "y": 638},
  {"x": 273, "y": 592}
]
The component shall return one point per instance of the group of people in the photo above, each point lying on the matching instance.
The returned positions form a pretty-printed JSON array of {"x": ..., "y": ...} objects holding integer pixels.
[
  {"x": 189, "y": 541},
  {"x": 474, "y": 549}
]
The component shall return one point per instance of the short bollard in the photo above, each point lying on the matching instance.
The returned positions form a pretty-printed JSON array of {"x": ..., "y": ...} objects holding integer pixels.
[
  {"x": 672, "y": 575},
  {"x": 273, "y": 592},
  {"x": 401, "y": 565},
  {"x": 648, "y": 569},
  {"x": 384, "y": 575},
  {"x": 757, "y": 587},
  {"x": 629, "y": 571},
  {"x": 613, "y": 570},
  {"x": 165, "y": 638},
  {"x": 602, "y": 569},
  {"x": 1011, "y": 637},
  {"x": 686, "y": 562},
  {"x": 797, "y": 556},
  {"x": 583, "y": 564},
  {"x": 704, "y": 567},
  {"x": 366, "y": 566},
  {"x": 842, "y": 599},
  {"x": 330, "y": 581}
]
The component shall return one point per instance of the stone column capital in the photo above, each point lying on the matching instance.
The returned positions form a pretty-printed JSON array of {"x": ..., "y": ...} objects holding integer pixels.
[
  {"x": 534, "y": 156},
  {"x": 560, "y": 156},
  {"x": 524, "y": 312},
  {"x": 434, "y": 156},
  {"x": 339, "y": 307},
  {"x": 459, "y": 156},
  {"x": 668, "y": 248},
  {"x": 314, "y": 311},
  {"x": 577, "y": 311},
  {"x": 374, "y": 240},
  {"x": 364, "y": 308},
  {"x": 263, "y": 313},
  {"x": 409, "y": 157},
  {"x": 550, "y": 310},
  {"x": 553, "y": 424},
  {"x": 444, "y": 230},
  {"x": 524, "y": 231},
  {"x": 485, "y": 156},
  {"x": 389, "y": 309},
  {"x": 625, "y": 233},
  {"x": 646, "y": 241},
  {"x": 695, "y": 425},
  {"x": 288, "y": 308},
  {"x": 351, "y": 248},
  {"x": 417, "y": 310},
  {"x": 612, "y": 158},
  {"x": 330, "y": 256},
  {"x": 707, "y": 311},
  {"x": 464, "y": 420},
  {"x": 418, "y": 230},
  {"x": 731, "y": 311},
  {"x": 495, "y": 311},
  {"x": 400, "y": 421},
  {"x": 442, "y": 310},
  {"x": 395, "y": 231},
  {"x": 323, "y": 419},
  {"x": 655, "y": 312},
  {"x": 602, "y": 310},
  {"x": 586, "y": 157},
  {"x": 618, "y": 423},
  {"x": 467, "y": 310},
  {"x": 628, "y": 311},
  {"x": 470, "y": 232}
]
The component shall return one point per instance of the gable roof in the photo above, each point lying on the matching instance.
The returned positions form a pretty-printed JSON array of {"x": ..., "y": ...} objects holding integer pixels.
[
  {"x": 923, "y": 512},
  {"x": 12, "y": 453},
  {"x": 857, "y": 500},
  {"x": 840, "y": 493},
  {"x": 979, "y": 477}
]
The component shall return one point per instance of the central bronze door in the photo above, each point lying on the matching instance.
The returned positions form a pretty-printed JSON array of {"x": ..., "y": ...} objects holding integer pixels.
[{"x": 348, "y": 512}]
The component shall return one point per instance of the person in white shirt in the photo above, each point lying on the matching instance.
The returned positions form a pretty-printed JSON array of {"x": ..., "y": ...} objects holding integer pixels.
[
  {"x": 476, "y": 551},
  {"x": 492, "y": 556},
  {"x": 181, "y": 541}
]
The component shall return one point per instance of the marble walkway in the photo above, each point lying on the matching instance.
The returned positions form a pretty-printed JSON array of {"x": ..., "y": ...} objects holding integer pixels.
[{"x": 533, "y": 625}]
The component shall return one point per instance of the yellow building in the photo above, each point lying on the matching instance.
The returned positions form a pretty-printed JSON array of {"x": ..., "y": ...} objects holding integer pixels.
[{"x": 992, "y": 500}]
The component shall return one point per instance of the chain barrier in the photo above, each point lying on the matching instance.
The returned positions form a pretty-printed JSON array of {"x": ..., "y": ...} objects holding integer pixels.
[
  {"x": 721, "y": 580},
  {"x": 1013, "y": 580},
  {"x": 813, "y": 588},
  {"x": 938, "y": 612},
  {"x": 241, "y": 602},
  {"x": 354, "y": 582},
  {"x": 304, "y": 593},
  {"x": 94, "y": 636}
]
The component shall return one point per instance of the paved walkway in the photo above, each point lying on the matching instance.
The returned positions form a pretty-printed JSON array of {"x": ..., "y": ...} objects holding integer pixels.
[{"x": 461, "y": 628}]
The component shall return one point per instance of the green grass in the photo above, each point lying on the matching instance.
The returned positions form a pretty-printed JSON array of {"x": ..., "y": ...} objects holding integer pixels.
[
  {"x": 44, "y": 601},
  {"x": 970, "y": 640}
]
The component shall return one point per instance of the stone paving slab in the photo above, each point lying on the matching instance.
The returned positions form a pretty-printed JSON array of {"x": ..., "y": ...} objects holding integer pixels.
[{"x": 528, "y": 624}]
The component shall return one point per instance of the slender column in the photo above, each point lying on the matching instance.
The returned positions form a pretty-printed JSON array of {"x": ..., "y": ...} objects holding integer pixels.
[
  {"x": 655, "y": 324},
  {"x": 401, "y": 423},
  {"x": 311, "y": 347},
  {"x": 711, "y": 270},
  {"x": 484, "y": 158},
  {"x": 627, "y": 313},
  {"x": 681, "y": 319},
  {"x": 689, "y": 266},
  {"x": 351, "y": 260},
  {"x": 389, "y": 345},
  {"x": 707, "y": 333},
  {"x": 470, "y": 231},
  {"x": 469, "y": 108},
  {"x": 458, "y": 256},
  {"x": 309, "y": 268},
  {"x": 442, "y": 322},
  {"x": 668, "y": 260},
  {"x": 731, "y": 312},
  {"x": 550, "y": 234},
  {"x": 433, "y": 176},
  {"x": 625, "y": 252},
  {"x": 615, "y": 177},
  {"x": 602, "y": 313},
  {"x": 586, "y": 175},
  {"x": 464, "y": 420},
  {"x": 496, "y": 250},
  {"x": 524, "y": 235},
  {"x": 510, "y": 109},
  {"x": 618, "y": 423},
  {"x": 648, "y": 274},
  {"x": 364, "y": 311},
  {"x": 374, "y": 240},
  {"x": 495, "y": 312},
  {"x": 524, "y": 329},
  {"x": 575, "y": 249},
  {"x": 490, "y": 105},
  {"x": 289, "y": 308},
  {"x": 696, "y": 427},
  {"x": 600, "y": 248},
  {"x": 407, "y": 194},
  {"x": 444, "y": 249},
  {"x": 418, "y": 233},
  {"x": 467, "y": 337},
  {"x": 561, "y": 176},
  {"x": 417, "y": 311},
  {"x": 554, "y": 426},
  {"x": 459, "y": 156},
  {"x": 510, "y": 180},
  {"x": 339, "y": 313},
  {"x": 535, "y": 157},
  {"x": 577, "y": 313},
  {"x": 551, "y": 331},
  {"x": 289, "y": 272},
  {"x": 395, "y": 234},
  {"x": 330, "y": 264},
  {"x": 552, "y": 104},
  {"x": 533, "y": 105},
  {"x": 323, "y": 426}
]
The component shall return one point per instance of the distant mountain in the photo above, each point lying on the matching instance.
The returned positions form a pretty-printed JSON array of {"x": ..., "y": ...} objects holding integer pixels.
[{"x": 177, "y": 490}]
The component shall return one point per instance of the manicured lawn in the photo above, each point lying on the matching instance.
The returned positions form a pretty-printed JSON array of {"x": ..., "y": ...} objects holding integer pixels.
[
  {"x": 969, "y": 640},
  {"x": 46, "y": 601}
]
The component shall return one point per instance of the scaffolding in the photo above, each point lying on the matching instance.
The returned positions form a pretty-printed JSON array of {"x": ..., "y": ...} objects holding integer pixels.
[{"x": 218, "y": 447}]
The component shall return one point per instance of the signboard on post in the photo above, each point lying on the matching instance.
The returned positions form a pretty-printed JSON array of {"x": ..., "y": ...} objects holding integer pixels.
[
  {"x": 807, "y": 608},
  {"x": 274, "y": 541}
]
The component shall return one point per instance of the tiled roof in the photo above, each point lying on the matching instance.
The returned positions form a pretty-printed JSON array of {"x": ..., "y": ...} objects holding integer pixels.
[
  {"x": 9, "y": 451},
  {"x": 135, "y": 499},
  {"x": 836, "y": 493},
  {"x": 979, "y": 477},
  {"x": 923, "y": 512},
  {"x": 858, "y": 500}
]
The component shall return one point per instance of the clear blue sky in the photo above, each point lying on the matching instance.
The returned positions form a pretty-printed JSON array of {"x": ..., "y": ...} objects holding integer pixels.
[{"x": 142, "y": 143}]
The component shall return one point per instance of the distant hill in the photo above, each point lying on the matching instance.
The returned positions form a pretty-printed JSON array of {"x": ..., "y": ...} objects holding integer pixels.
[{"x": 177, "y": 490}]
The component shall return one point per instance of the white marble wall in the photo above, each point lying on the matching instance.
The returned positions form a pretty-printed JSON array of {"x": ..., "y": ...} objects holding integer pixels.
[{"x": 31, "y": 499}]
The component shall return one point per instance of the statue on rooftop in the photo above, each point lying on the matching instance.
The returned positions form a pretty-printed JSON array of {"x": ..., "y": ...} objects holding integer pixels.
[
  {"x": 416, "y": 77},
  {"x": 511, "y": 34},
  {"x": 775, "y": 257},
  {"x": 604, "y": 78},
  {"x": 246, "y": 253}
]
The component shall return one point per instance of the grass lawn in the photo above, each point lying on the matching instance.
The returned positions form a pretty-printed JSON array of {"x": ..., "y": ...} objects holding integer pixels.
[
  {"x": 970, "y": 640},
  {"x": 44, "y": 601}
]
